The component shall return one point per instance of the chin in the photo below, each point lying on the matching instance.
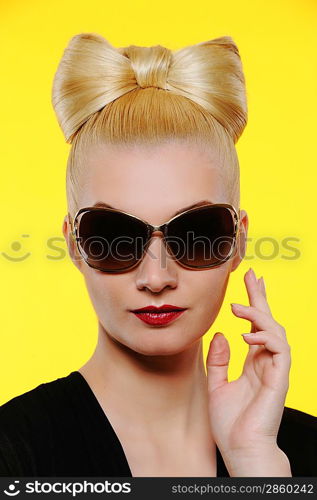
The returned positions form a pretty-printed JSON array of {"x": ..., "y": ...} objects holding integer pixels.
[{"x": 159, "y": 343}]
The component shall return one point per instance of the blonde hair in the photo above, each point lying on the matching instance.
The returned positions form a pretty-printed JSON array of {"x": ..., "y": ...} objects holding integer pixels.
[{"x": 146, "y": 95}]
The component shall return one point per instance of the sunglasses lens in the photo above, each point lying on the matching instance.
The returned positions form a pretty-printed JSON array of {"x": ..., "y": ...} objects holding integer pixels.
[
  {"x": 111, "y": 241},
  {"x": 203, "y": 237}
]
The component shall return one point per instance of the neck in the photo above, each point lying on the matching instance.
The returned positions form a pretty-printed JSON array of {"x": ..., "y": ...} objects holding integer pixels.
[{"x": 160, "y": 395}]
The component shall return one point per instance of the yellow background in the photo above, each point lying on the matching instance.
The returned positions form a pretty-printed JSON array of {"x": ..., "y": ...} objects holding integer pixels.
[{"x": 48, "y": 326}]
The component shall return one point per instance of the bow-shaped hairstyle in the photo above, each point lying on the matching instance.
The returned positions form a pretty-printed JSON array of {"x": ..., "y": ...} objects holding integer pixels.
[{"x": 142, "y": 90}]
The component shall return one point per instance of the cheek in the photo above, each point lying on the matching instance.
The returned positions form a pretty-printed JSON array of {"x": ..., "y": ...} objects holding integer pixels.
[
  {"x": 208, "y": 290},
  {"x": 105, "y": 293}
]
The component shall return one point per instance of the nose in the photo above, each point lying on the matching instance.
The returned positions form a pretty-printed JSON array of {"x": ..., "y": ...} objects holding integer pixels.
[{"x": 157, "y": 269}]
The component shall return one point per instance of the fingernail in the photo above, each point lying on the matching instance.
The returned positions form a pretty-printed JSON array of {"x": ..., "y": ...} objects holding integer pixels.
[
  {"x": 238, "y": 306},
  {"x": 262, "y": 285},
  {"x": 217, "y": 333},
  {"x": 218, "y": 347},
  {"x": 247, "y": 334},
  {"x": 252, "y": 272}
]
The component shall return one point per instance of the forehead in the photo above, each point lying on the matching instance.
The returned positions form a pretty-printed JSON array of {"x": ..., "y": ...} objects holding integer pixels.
[{"x": 152, "y": 182}]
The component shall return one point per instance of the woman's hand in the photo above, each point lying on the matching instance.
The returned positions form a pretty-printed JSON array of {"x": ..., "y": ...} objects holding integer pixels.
[{"x": 245, "y": 414}]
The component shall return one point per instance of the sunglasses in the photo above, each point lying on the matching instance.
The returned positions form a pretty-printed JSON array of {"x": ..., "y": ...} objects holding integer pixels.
[{"x": 113, "y": 241}]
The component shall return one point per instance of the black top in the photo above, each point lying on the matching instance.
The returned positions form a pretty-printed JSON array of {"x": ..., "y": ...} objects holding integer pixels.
[{"x": 59, "y": 429}]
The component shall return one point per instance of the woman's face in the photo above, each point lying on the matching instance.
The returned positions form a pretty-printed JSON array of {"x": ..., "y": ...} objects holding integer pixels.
[{"x": 153, "y": 183}]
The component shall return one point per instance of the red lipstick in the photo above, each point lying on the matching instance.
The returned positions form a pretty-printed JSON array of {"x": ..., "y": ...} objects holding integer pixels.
[{"x": 158, "y": 316}]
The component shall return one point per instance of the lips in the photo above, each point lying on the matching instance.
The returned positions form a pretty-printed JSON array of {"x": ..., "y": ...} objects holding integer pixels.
[
  {"x": 164, "y": 308},
  {"x": 158, "y": 316}
]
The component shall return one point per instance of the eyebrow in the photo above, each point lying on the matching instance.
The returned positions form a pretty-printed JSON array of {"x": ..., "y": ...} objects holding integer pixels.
[{"x": 194, "y": 205}]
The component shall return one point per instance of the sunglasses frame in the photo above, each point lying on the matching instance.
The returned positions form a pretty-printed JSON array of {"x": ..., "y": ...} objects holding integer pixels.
[{"x": 151, "y": 228}]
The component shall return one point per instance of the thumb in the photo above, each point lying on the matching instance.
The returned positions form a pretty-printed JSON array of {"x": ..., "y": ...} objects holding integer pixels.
[{"x": 217, "y": 362}]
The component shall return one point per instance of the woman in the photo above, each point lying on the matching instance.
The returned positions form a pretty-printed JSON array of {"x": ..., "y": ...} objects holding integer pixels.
[{"x": 155, "y": 228}]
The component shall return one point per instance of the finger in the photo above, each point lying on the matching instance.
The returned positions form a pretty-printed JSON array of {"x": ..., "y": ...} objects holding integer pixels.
[
  {"x": 261, "y": 280},
  {"x": 273, "y": 343},
  {"x": 249, "y": 281},
  {"x": 255, "y": 292},
  {"x": 260, "y": 319},
  {"x": 217, "y": 362}
]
